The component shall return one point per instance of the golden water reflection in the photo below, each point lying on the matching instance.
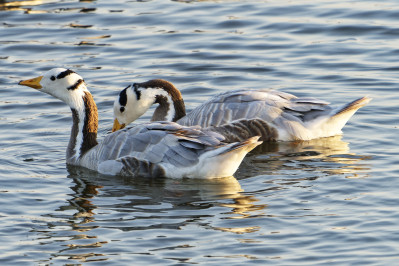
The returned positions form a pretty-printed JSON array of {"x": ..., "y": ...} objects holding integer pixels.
[
  {"x": 80, "y": 222},
  {"x": 239, "y": 230},
  {"x": 17, "y": 5},
  {"x": 330, "y": 156},
  {"x": 244, "y": 207},
  {"x": 27, "y": 6}
]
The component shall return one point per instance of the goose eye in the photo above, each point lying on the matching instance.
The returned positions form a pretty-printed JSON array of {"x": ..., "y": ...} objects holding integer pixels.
[
  {"x": 52, "y": 78},
  {"x": 122, "y": 109}
]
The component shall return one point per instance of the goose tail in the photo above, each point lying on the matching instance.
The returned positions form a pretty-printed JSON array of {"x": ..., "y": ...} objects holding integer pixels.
[
  {"x": 349, "y": 109},
  {"x": 340, "y": 116},
  {"x": 224, "y": 161},
  {"x": 243, "y": 146}
]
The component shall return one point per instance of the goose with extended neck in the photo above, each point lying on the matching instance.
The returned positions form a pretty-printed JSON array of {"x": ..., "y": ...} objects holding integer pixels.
[
  {"x": 278, "y": 116},
  {"x": 162, "y": 149}
]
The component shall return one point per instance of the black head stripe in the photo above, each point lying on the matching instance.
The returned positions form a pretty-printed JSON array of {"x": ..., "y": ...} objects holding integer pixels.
[
  {"x": 76, "y": 85},
  {"x": 137, "y": 91},
  {"x": 64, "y": 74},
  {"x": 123, "y": 96}
]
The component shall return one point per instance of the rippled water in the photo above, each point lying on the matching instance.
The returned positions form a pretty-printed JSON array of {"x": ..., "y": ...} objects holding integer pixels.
[{"x": 329, "y": 201}]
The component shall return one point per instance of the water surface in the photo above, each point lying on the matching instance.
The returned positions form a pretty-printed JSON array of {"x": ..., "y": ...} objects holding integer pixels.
[{"x": 328, "y": 201}]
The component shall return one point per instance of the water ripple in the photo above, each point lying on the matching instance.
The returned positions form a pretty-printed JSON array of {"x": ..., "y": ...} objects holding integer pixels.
[{"x": 324, "y": 201}]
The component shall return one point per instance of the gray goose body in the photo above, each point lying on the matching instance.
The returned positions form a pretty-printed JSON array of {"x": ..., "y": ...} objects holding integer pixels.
[
  {"x": 276, "y": 115},
  {"x": 161, "y": 149}
]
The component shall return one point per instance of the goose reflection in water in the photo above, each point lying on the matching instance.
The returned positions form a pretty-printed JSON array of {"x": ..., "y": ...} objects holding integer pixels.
[
  {"x": 327, "y": 156},
  {"x": 101, "y": 204}
]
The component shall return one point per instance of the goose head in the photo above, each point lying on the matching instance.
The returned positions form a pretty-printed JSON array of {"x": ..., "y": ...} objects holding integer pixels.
[
  {"x": 128, "y": 107},
  {"x": 70, "y": 88},
  {"x": 60, "y": 83},
  {"x": 136, "y": 99}
]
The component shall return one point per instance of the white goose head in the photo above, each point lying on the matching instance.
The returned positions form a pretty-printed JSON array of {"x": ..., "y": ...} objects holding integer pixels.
[
  {"x": 70, "y": 88},
  {"x": 61, "y": 83},
  {"x": 136, "y": 99}
]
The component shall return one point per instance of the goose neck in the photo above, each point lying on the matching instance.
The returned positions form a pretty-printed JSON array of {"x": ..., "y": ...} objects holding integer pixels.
[
  {"x": 84, "y": 128},
  {"x": 171, "y": 104},
  {"x": 169, "y": 109}
]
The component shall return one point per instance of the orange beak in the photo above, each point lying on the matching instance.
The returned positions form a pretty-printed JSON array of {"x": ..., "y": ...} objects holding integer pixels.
[
  {"x": 33, "y": 83},
  {"x": 117, "y": 126}
]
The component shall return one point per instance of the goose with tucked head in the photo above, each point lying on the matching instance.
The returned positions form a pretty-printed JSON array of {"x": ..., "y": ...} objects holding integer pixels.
[
  {"x": 161, "y": 149},
  {"x": 274, "y": 115}
]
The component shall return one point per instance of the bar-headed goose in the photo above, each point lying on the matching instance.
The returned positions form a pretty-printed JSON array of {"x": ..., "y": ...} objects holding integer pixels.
[
  {"x": 278, "y": 115},
  {"x": 162, "y": 149}
]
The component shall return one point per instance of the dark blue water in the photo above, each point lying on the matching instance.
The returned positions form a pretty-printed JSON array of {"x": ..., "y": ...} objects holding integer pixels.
[{"x": 329, "y": 201}]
